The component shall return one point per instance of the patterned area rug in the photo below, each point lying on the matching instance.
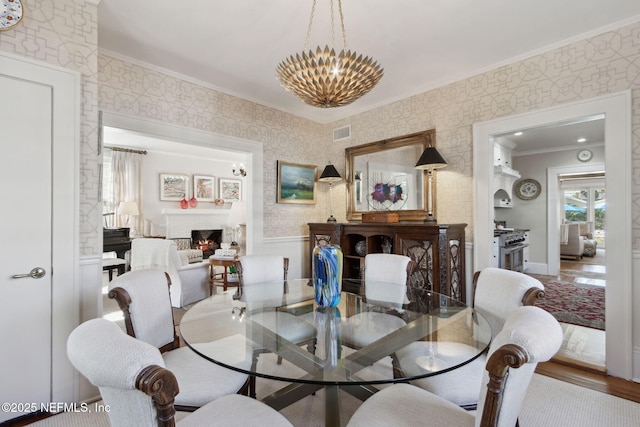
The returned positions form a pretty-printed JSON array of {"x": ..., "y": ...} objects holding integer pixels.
[{"x": 578, "y": 305}]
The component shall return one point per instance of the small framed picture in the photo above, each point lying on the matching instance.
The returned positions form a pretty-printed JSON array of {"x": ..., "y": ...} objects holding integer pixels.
[
  {"x": 230, "y": 189},
  {"x": 204, "y": 188},
  {"x": 173, "y": 187},
  {"x": 296, "y": 183}
]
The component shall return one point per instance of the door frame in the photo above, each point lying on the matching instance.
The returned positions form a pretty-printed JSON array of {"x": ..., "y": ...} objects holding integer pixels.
[
  {"x": 618, "y": 114},
  {"x": 555, "y": 202},
  {"x": 65, "y": 295},
  {"x": 253, "y": 191}
]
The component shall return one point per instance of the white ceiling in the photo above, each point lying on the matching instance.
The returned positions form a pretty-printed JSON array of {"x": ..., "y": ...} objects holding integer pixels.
[
  {"x": 235, "y": 46},
  {"x": 557, "y": 136}
]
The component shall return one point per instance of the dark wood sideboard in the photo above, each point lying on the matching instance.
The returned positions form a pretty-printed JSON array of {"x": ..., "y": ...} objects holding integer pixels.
[{"x": 437, "y": 249}]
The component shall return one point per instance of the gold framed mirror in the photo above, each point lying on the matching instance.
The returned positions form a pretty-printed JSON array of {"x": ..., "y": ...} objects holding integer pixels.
[{"x": 381, "y": 177}]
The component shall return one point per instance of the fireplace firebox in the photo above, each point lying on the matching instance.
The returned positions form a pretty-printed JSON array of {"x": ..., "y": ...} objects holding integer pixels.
[{"x": 207, "y": 240}]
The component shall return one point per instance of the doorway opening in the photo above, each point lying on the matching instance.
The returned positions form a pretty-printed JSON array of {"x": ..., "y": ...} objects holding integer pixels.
[{"x": 616, "y": 109}]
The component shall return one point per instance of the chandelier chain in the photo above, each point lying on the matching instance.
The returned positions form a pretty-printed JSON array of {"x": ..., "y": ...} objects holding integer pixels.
[
  {"x": 333, "y": 30},
  {"x": 327, "y": 79},
  {"x": 333, "y": 26},
  {"x": 344, "y": 33},
  {"x": 313, "y": 10}
]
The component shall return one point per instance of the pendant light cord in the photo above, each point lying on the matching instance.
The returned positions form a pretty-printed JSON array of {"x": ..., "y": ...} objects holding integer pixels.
[{"x": 333, "y": 30}]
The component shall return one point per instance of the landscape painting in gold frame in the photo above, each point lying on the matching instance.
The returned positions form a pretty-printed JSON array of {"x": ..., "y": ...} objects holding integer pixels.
[{"x": 296, "y": 183}]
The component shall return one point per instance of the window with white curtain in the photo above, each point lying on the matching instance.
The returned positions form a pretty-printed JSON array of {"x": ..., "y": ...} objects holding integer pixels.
[{"x": 122, "y": 182}]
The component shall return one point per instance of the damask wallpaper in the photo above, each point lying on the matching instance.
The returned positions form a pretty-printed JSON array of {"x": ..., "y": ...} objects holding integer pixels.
[
  {"x": 64, "y": 32},
  {"x": 596, "y": 66}
]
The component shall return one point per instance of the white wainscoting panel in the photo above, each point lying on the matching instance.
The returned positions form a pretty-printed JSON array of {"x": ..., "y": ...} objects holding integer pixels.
[{"x": 296, "y": 248}]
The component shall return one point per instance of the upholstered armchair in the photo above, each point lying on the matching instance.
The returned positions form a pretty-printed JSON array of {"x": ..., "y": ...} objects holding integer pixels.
[
  {"x": 497, "y": 293},
  {"x": 184, "y": 248},
  {"x": 529, "y": 336},
  {"x": 571, "y": 241},
  {"x": 143, "y": 296},
  {"x": 189, "y": 281},
  {"x": 140, "y": 391},
  {"x": 587, "y": 230}
]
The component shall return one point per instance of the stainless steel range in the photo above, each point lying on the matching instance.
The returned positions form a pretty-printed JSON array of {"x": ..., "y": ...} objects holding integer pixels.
[{"x": 510, "y": 248}]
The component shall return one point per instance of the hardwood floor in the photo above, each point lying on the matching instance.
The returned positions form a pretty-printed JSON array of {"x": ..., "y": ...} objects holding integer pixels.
[
  {"x": 588, "y": 271},
  {"x": 593, "y": 380}
]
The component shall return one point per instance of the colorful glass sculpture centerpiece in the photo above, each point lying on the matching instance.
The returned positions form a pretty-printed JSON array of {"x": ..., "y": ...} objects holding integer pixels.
[{"x": 327, "y": 274}]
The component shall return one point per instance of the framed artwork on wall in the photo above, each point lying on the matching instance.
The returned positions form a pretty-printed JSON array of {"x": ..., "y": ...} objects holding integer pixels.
[
  {"x": 296, "y": 183},
  {"x": 204, "y": 188},
  {"x": 173, "y": 187},
  {"x": 230, "y": 189}
]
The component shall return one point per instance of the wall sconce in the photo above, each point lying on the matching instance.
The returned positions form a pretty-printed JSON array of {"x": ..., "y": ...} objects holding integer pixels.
[
  {"x": 330, "y": 175},
  {"x": 429, "y": 161},
  {"x": 237, "y": 172}
]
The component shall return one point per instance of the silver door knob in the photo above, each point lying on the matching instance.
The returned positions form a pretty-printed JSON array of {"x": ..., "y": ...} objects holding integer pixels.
[{"x": 35, "y": 273}]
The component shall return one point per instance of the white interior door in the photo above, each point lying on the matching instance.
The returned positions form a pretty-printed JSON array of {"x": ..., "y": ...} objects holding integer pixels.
[{"x": 25, "y": 224}]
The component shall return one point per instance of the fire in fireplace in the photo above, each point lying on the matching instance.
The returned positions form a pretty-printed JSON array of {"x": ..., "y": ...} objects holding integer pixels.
[{"x": 207, "y": 240}]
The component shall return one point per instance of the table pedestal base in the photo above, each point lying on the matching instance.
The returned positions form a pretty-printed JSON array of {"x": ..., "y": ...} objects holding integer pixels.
[{"x": 294, "y": 392}]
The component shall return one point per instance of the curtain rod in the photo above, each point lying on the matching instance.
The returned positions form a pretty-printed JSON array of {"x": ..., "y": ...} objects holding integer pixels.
[{"x": 128, "y": 150}]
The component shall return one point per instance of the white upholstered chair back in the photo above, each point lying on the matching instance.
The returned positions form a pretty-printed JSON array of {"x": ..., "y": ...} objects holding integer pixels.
[
  {"x": 262, "y": 268},
  {"x": 385, "y": 278},
  {"x": 498, "y": 292},
  {"x": 150, "y": 307},
  {"x": 539, "y": 334},
  {"x": 530, "y": 335},
  {"x": 112, "y": 361}
]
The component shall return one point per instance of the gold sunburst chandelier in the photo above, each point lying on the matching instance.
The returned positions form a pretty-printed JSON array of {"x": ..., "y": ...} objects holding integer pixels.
[{"x": 324, "y": 79}]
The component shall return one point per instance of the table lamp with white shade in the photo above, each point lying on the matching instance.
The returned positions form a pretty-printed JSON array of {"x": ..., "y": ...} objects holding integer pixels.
[{"x": 129, "y": 209}]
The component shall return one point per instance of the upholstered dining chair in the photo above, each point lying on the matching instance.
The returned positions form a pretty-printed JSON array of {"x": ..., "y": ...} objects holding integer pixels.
[
  {"x": 261, "y": 278},
  {"x": 497, "y": 292},
  {"x": 385, "y": 284},
  {"x": 140, "y": 391},
  {"x": 529, "y": 336},
  {"x": 143, "y": 297}
]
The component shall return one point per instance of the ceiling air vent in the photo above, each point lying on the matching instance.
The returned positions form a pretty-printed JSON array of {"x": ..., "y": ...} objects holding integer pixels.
[{"x": 342, "y": 133}]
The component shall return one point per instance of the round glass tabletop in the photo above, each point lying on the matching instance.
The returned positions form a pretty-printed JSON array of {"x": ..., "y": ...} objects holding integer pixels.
[{"x": 395, "y": 334}]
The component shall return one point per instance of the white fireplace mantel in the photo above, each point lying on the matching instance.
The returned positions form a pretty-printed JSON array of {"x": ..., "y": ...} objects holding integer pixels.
[
  {"x": 180, "y": 222},
  {"x": 195, "y": 211}
]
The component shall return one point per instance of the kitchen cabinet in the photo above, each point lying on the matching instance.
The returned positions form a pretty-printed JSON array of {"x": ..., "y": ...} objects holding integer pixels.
[{"x": 437, "y": 249}]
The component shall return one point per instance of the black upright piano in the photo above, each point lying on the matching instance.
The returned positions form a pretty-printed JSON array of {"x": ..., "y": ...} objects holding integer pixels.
[{"x": 116, "y": 240}]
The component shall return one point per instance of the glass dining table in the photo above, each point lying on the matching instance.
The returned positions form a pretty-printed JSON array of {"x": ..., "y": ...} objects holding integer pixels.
[{"x": 342, "y": 345}]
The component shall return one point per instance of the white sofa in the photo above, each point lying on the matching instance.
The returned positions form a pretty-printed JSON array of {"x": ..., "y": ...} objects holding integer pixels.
[
  {"x": 189, "y": 281},
  {"x": 184, "y": 246}
]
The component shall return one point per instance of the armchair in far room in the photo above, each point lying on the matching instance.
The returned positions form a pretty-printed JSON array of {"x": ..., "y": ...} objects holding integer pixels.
[
  {"x": 587, "y": 229},
  {"x": 189, "y": 282},
  {"x": 184, "y": 249},
  {"x": 571, "y": 242}
]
